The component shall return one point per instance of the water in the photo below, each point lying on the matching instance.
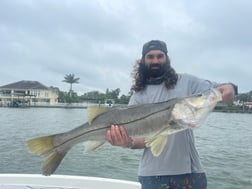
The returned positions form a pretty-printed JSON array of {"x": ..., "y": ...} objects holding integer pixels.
[{"x": 223, "y": 141}]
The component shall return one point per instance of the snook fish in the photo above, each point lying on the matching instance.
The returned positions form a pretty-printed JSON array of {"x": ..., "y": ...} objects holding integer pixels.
[{"x": 153, "y": 121}]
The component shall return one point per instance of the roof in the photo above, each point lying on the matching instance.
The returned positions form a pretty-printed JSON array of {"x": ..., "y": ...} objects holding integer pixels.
[{"x": 25, "y": 85}]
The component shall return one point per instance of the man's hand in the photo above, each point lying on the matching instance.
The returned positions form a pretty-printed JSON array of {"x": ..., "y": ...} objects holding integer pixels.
[
  {"x": 117, "y": 136},
  {"x": 228, "y": 93}
]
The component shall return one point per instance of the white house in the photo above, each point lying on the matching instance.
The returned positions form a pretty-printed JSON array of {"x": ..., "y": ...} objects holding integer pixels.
[{"x": 28, "y": 93}]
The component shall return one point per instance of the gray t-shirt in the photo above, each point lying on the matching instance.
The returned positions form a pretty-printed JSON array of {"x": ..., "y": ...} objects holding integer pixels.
[{"x": 179, "y": 155}]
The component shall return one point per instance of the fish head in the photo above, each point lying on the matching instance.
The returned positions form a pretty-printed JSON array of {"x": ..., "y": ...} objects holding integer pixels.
[{"x": 191, "y": 111}]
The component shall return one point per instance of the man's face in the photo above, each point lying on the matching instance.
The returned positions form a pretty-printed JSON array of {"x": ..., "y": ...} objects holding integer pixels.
[{"x": 154, "y": 63}]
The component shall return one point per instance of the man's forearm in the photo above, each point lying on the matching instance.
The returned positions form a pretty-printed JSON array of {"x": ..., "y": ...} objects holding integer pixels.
[{"x": 137, "y": 143}]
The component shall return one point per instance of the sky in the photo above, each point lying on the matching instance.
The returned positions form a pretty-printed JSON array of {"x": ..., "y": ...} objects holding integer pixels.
[{"x": 100, "y": 40}]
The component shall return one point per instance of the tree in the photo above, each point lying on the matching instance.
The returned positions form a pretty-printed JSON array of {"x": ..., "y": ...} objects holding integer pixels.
[
  {"x": 114, "y": 94},
  {"x": 64, "y": 97},
  {"x": 124, "y": 99},
  {"x": 69, "y": 78}
]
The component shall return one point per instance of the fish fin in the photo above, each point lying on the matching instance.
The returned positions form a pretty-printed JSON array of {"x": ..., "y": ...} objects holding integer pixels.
[
  {"x": 92, "y": 145},
  {"x": 52, "y": 162},
  {"x": 44, "y": 146},
  {"x": 94, "y": 111},
  {"x": 41, "y": 145},
  {"x": 156, "y": 144}
]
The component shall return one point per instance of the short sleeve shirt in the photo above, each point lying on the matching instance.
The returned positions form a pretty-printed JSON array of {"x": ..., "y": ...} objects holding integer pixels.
[{"x": 179, "y": 155}]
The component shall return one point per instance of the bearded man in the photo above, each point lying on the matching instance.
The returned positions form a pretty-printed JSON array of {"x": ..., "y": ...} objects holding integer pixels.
[{"x": 178, "y": 166}]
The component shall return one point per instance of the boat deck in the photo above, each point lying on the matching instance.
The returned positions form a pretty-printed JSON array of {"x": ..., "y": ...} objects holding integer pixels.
[
  {"x": 31, "y": 187},
  {"x": 32, "y": 181}
]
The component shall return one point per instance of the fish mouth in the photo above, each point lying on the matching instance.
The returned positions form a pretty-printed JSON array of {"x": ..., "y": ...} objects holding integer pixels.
[
  {"x": 186, "y": 123},
  {"x": 191, "y": 125}
]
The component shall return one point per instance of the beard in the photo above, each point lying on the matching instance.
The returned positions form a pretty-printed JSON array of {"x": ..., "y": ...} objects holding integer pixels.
[{"x": 154, "y": 70}]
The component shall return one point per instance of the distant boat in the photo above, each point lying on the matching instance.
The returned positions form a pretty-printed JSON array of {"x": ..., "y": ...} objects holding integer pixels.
[
  {"x": 28, "y": 181},
  {"x": 19, "y": 104},
  {"x": 109, "y": 102}
]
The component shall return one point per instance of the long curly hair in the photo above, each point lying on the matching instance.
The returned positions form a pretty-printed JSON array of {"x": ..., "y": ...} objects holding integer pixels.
[{"x": 139, "y": 78}]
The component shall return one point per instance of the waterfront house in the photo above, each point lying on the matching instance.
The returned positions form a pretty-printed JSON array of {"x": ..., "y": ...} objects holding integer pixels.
[{"x": 24, "y": 93}]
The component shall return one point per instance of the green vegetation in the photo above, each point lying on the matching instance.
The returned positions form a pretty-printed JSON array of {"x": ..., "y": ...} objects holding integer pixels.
[
  {"x": 67, "y": 97},
  {"x": 245, "y": 97},
  {"x": 239, "y": 106},
  {"x": 114, "y": 95},
  {"x": 94, "y": 97},
  {"x": 69, "y": 78}
]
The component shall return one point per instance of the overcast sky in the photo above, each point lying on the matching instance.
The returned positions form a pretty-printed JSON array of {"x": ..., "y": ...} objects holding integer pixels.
[{"x": 99, "y": 40}]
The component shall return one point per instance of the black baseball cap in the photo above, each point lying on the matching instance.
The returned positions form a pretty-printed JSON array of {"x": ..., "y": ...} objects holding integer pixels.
[{"x": 154, "y": 45}]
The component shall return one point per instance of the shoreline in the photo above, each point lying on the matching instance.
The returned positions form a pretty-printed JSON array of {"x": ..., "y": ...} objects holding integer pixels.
[{"x": 74, "y": 106}]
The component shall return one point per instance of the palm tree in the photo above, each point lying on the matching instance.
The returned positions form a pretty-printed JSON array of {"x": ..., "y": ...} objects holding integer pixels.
[{"x": 69, "y": 78}]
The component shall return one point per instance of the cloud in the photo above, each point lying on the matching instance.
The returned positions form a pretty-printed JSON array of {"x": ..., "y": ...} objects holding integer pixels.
[{"x": 100, "y": 40}]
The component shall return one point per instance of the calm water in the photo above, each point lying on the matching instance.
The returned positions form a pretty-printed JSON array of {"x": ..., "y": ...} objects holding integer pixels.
[{"x": 224, "y": 142}]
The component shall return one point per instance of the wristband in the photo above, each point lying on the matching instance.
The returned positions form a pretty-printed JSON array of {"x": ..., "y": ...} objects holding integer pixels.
[
  {"x": 131, "y": 143},
  {"x": 235, "y": 88}
]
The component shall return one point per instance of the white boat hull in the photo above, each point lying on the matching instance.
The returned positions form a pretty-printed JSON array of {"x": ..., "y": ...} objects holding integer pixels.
[{"x": 34, "y": 181}]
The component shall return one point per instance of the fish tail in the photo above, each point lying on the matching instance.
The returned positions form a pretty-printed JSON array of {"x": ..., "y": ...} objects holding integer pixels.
[
  {"x": 52, "y": 162},
  {"x": 44, "y": 146},
  {"x": 41, "y": 145}
]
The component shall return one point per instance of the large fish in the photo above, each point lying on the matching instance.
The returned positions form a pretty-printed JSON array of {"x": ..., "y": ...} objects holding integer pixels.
[{"x": 154, "y": 122}]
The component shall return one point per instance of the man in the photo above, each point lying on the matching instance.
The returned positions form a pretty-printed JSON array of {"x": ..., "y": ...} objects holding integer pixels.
[{"x": 178, "y": 166}]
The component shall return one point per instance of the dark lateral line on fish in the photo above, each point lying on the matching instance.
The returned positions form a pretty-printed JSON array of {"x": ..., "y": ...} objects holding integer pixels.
[{"x": 106, "y": 127}]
